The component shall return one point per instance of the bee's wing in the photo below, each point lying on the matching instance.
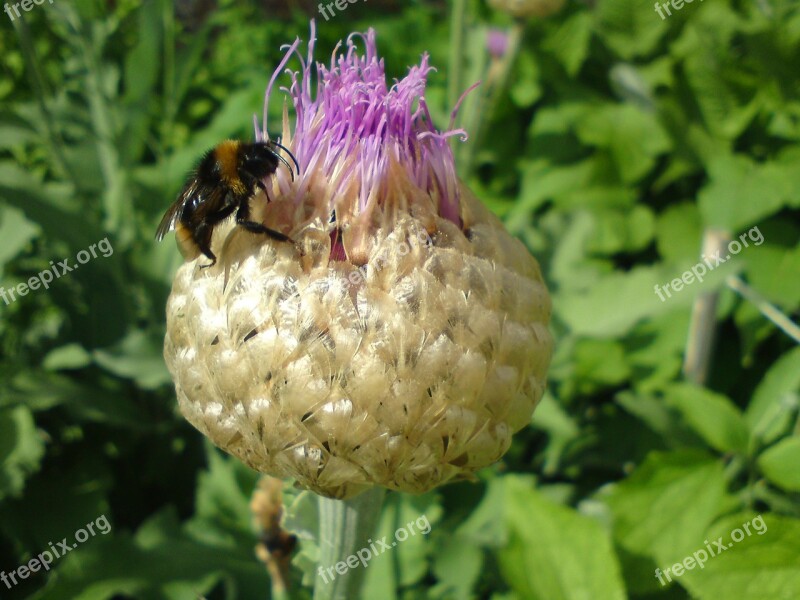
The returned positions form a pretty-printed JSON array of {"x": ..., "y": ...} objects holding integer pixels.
[
  {"x": 174, "y": 212},
  {"x": 168, "y": 221}
]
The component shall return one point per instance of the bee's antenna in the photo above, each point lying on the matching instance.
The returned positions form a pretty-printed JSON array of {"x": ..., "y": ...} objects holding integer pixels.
[{"x": 283, "y": 160}]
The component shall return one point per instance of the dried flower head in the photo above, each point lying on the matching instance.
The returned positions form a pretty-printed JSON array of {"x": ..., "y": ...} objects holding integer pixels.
[{"x": 401, "y": 340}]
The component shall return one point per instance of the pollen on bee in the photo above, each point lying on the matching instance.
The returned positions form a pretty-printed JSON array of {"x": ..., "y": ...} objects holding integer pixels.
[{"x": 186, "y": 244}]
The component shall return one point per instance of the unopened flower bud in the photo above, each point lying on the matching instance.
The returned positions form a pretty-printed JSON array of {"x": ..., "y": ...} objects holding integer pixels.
[{"x": 400, "y": 340}]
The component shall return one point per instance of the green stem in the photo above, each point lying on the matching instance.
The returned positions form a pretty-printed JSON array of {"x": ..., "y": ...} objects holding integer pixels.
[
  {"x": 489, "y": 95},
  {"x": 345, "y": 527},
  {"x": 770, "y": 311},
  {"x": 457, "y": 26},
  {"x": 117, "y": 210}
]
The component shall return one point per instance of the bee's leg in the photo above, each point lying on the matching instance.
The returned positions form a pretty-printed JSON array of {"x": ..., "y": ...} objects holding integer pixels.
[
  {"x": 243, "y": 219},
  {"x": 205, "y": 228},
  {"x": 202, "y": 237},
  {"x": 260, "y": 184}
]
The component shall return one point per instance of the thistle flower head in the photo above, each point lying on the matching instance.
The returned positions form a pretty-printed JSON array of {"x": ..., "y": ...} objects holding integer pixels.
[
  {"x": 497, "y": 42},
  {"x": 402, "y": 338},
  {"x": 365, "y": 149}
]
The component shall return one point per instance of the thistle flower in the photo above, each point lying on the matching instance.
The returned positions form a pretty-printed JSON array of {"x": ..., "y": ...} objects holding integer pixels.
[
  {"x": 497, "y": 42},
  {"x": 401, "y": 340}
]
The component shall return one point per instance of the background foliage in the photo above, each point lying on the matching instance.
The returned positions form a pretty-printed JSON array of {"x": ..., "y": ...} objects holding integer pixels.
[{"x": 611, "y": 140}]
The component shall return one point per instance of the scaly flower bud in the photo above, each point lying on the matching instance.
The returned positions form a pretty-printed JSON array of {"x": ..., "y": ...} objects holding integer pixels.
[{"x": 400, "y": 341}]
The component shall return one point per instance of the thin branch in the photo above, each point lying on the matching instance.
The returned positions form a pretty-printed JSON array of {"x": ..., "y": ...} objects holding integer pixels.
[{"x": 770, "y": 311}]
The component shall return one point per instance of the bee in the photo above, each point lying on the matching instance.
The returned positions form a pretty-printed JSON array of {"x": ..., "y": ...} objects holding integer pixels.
[{"x": 223, "y": 183}]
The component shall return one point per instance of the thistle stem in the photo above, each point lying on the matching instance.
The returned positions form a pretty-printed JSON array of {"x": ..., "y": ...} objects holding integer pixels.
[
  {"x": 345, "y": 526},
  {"x": 703, "y": 326},
  {"x": 457, "y": 26}
]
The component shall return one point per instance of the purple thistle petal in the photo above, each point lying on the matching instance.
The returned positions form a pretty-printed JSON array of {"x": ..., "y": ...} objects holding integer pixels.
[{"x": 354, "y": 125}]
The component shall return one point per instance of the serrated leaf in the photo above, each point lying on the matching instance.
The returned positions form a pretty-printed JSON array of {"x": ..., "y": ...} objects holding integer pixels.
[
  {"x": 630, "y": 28},
  {"x": 554, "y": 552},
  {"x": 614, "y": 303},
  {"x": 633, "y": 136},
  {"x": 666, "y": 505},
  {"x": 569, "y": 42},
  {"x": 762, "y": 565},
  {"x": 734, "y": 180}
]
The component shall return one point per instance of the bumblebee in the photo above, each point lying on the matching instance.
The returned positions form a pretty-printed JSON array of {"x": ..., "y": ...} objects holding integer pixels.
[{"x": 223, "y": 183}]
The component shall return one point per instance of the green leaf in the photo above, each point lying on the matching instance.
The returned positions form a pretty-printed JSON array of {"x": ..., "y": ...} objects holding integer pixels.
[
  {"x": 542, "y": 181},
  {"x": 561, "y": 430},
  {"x": 634, "y": 137},
  {"x": 725, "y": 90},
  {"x": 772, "y": 270},
  {"x": 734, "y": 180},
  {"x": 16, "y": 232},
  {"x": 614, "y": 303},
  {"x": 457, "y": 566},
  {"x": 679, "y": 233},
  {"x": 70, "y": 356},
  {"x": 21, "y": 449},
  {"x": 713, "y": 416},
  {"x": 775, "y": 397},
  {"x": 136, "y": 357},
  {"x": 600, "y": 362},
  {"x": 618, "y": 231},
  {"x": 569, "y": 42},
  {"x": 406, "y": 562},
  {"x": 762, "y": 565},
  {"x": 629, "y": 28},
  {"x": 656, "y": 416},
  {"x": 41, "y": 390},
  {"x": 554, "y": 552},
  {"x": 781, "y": 464},
  {"x": 161, "y": 561},
  {"x": 666, "y": 505},
  {"x": 224, "y": 490},
  {"x": 525, "y": 88}
]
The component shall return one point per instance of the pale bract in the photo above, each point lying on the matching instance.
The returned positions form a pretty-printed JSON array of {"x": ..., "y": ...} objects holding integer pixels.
[{"x": 400, "y": 341}]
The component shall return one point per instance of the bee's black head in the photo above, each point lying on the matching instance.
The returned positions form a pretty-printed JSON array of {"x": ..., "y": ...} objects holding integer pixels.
[{"x": 261, "y": 159}]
